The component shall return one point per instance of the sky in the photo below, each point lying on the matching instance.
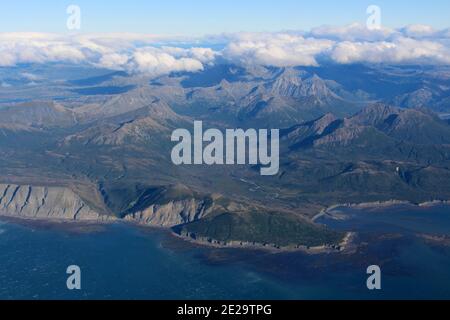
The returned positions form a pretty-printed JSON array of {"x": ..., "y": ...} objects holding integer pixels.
[
  {"x": 200, "y": 17},
  {"x": 160, "y": 37}
]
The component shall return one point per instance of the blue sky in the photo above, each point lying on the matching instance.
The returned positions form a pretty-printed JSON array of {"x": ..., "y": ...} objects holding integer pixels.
[{"x": 199, "y": 17}]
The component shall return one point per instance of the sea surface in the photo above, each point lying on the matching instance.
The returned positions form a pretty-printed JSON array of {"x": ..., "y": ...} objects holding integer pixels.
[{"x": 122, "y": 261}]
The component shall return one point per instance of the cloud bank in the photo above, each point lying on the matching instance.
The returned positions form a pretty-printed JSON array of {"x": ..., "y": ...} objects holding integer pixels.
[{"x": 155, "y": 55}]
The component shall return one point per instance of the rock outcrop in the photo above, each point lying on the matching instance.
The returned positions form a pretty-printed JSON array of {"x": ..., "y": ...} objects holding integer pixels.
[
  {"x": 41, "y": 202},
  {"x": 61, "y": 203},
  {"x": 171, "y": 214}
]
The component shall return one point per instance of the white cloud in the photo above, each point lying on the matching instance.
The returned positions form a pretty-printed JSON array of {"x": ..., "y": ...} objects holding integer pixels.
[
  {"x": 418, "y": 31},
  {"x": 348, "y": 44},
  {"x": 276, "y": 49},
  {"x": 155, "y": 61},
  {"x": 204, "y": 55},
  {"x": 156, "y": 55},
  {"x": 36, "y": 48},
  {"x": 131, "y": 52},
  {"x": 402, "y": 50},
  {"x": 352, "y": 32},
  {"x": 114, "y": 61}
]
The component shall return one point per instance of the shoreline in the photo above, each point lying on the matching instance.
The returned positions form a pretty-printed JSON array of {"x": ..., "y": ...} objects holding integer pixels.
[
  {"x": 345, "y": 246},
  {"x": 342, "y": 247},
  {"x": 378, "y": 205},
  {"x": 48, "y": 222}
]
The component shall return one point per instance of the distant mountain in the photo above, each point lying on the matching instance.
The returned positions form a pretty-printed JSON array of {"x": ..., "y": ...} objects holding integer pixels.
[
  {"x": 290, "y": 84},
  {"x": 97, "y": 80},
  {"x": 37, "y": 114},
  {"x": 437, "y": 98},
  {"x": 418, "y": 126},
  {"x": 405, "y": 125},
  {"x": 152, "y": 123},
  {"x": 119, "y": 104},
  {"x": 261, "y": 98}
]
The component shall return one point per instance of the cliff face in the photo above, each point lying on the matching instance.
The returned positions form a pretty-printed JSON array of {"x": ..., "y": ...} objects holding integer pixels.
[
  {"x": 170, "y": 214},
  {"x": 62, "y": 203},
  {"x": 44, "y": 202}
]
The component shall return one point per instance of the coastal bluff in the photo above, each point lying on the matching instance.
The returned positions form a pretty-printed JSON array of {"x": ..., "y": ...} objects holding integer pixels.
[{"x": 41, "y": 202}]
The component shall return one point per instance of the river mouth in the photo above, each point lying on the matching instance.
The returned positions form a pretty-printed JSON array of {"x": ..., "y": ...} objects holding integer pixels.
[{"x": 123, "y": 261}]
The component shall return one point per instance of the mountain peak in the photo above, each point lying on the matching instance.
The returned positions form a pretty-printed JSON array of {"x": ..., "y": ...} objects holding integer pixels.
[
  {"x": 324, "y": 122},
  {"x": 291, "y": 83},
  {"x": 289, "y": 74},
  {"x": 374, "y": 114},
  {"x": 287, "y": 83}
]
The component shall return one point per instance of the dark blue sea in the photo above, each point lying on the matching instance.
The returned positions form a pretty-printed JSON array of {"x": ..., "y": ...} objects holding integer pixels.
[{"x": 121, "y": 261}]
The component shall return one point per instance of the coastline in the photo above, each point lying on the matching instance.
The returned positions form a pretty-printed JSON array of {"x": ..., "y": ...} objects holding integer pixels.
[
  {"x": 343, "y": 247},
  {"x": 377, "y": 205},
  {"x": 346, "y": 245},
  {"x": 74, "y": 225},
  {"x": 43, "y": 220}
]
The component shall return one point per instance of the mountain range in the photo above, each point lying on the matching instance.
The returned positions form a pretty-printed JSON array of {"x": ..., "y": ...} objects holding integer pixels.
[{"x": 349, "y": 134}]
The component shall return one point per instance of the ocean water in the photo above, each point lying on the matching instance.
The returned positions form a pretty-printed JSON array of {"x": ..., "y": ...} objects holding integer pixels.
[{"x": 121, "y": 261}]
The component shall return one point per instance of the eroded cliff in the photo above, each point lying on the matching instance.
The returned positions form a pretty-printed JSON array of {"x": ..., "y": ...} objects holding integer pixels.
[
  {"x": 171, "y": 213},
  {"x": 44, "y": 202}
]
